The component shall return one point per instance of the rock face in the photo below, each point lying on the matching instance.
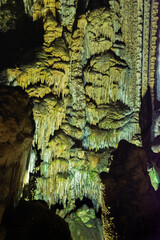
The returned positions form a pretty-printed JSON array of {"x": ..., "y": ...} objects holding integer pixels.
[
  {"x": 16, "y": 134},
  {"x": 130, "y": 200},
  {"x": 33, "y": 220},
  {"x": 84, "y": 224},
  {"x": 87, "y": 66}
]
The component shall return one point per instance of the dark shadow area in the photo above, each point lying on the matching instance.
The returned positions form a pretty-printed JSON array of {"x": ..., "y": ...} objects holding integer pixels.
[
  {"x": 80, "y": 10},
  {"x": 29, "y": 189},
  {"x": 79, "y": 203},
  {"x": 16, "y": 135},
  {"x": 129, "y": 196},
  {"x": 33, "y": 220},
  {"x": 39, "y": 160},
  {"x": 17, "y": 46},
  {"x": 145, "y": 118},
  {"x": 56, "y": 206},
  {"x": 81, "y": 7},
  {"x": 94, "y": 4}
]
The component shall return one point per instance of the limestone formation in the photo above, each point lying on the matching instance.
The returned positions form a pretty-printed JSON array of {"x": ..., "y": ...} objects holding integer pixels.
[
  {"x": 82, "y": 85},
  {"x": 87, "y": 66},
  {"x": 16, "y": 133},
  {"x": 84, "y": 224},
  {"x": 129, "y": 197}
]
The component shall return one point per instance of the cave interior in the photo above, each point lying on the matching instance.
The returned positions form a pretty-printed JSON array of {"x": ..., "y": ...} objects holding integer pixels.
[{"x": 79, "y": 119}]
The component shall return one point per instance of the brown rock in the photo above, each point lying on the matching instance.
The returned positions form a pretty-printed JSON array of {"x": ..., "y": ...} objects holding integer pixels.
[
  {"x": 16, "y": 131},
  {"x": 130, "y": 197}
]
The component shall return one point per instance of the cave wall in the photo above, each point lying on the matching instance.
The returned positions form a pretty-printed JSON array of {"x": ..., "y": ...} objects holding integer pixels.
[
  {"x": 16, "y": 134},
  {"x": 131, "y": 207},
  {"x": 88, "y": 68}
]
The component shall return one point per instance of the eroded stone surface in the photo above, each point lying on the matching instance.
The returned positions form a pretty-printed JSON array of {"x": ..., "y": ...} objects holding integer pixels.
[
  {"x": 84, "y": 224},
  {"x": 16, "y": 133}
]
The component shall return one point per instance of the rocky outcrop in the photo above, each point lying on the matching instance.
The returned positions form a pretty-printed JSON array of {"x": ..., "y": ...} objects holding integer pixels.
[
  {"x": 16, "y": 133},
  {"x": 84, "y": 224},
  {"x": 131, "y": 209},
  {"x": 33, "y": 220}
]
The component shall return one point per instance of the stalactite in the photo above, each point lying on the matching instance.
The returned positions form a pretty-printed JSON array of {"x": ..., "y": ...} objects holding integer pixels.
[
  {"x": 62, "y": 190},
  {"x": 85, "y": 69},
  {"x": 86, "y": 81},
  {"x": 153, "y": 47}
]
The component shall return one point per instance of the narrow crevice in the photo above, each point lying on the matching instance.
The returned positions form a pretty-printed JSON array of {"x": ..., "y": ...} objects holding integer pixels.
[
  {"x": 94, "y": 4},
  {"x": 77, "y": 144},
  {"x": 56, "y": 133},
  {"x": 79, "y": 203},
  {"x": 39, "y": 160},
  {"x": 119, "y": 42},
  {"x": 91, "y": 100},
  {"x": 57, "y": 206},
  {"x": 80, "y": 10}
]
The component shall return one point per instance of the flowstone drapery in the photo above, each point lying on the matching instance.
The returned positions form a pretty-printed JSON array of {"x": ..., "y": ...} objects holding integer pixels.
[{"x": 87, "y": 73}]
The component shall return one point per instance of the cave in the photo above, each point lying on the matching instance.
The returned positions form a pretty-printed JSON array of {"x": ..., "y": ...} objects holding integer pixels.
[{"x": 79, "y": 119}]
